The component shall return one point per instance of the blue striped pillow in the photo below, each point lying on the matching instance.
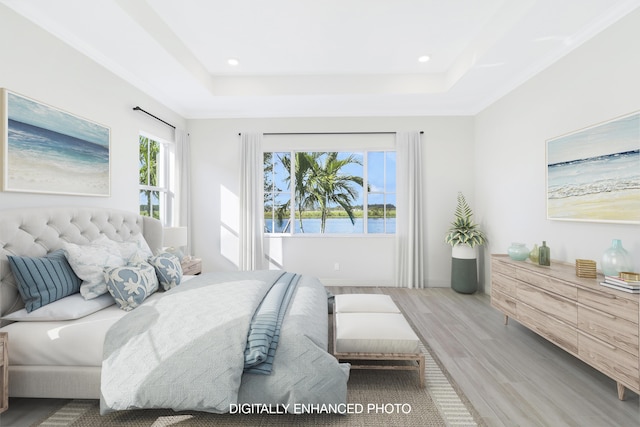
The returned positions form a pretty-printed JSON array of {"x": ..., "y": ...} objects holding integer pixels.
[{"x": 42, "y": 281}]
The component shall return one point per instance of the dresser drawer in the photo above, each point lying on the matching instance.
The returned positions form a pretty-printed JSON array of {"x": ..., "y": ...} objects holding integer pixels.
[
  {"x": 502, "y": 268},
  {"x": 503, "y": 302},
  {"x": 611, "y": 329},
  {"x": 561, "y": 334},
  {"x": 608, "y": 302},
  {"x": 547, "y": 283},
  {"x": 548, "y": 304},
  {"x": 503, "y": 284},
  {"x": 612, "y": 361}
]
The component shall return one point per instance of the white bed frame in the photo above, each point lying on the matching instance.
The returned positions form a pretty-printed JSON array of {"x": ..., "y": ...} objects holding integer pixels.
[{"x": 35, "y": 232}]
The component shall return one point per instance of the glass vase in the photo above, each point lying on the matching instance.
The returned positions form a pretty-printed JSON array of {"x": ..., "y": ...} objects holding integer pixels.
[
  {"x": 518, "y": 251},
  {"x": 544, "y": 254},
  {"x": 533, "y": 255},
  {"x": 616, "y": 259}
]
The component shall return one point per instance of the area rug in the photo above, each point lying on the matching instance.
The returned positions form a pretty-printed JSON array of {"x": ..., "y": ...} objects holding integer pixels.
[{"x": 377, "y": 398}]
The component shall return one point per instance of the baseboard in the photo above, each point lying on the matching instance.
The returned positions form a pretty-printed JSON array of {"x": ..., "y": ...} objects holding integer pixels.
[
  {"x": 355, "y": 282},
  {"x": 370, "y": 284}
]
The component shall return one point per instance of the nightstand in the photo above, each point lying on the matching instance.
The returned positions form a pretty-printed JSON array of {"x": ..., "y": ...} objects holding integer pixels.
[
  {"x": 4, "y": 372},
  {"x": 192, "y": 266}
]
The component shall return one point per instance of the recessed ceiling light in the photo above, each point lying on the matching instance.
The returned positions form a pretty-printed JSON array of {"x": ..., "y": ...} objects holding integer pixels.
[
  {"x": 233, "y": 62},
  {"x": 424, "y": 58}
]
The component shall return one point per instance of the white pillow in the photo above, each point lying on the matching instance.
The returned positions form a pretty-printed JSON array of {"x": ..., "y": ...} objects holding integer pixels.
[
  {"x": 89, "y": 262},
  {"x": 68, "y": 308},
  {"x": 136, "y": 245}
]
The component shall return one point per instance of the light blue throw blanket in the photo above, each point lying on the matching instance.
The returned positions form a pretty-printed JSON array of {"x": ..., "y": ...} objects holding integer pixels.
[{"x": 264, "y": 331}]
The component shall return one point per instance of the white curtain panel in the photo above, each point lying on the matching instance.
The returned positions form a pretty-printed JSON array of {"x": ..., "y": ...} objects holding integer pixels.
[
  {"x": 410, "y": 230},
  {"x": 251, "y": 202},
  {"x": 183, "y": 186}
]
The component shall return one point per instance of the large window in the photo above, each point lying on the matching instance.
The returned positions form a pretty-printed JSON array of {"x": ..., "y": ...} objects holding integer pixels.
[
  {"x": 324, "y": 192},
  {"x": 156, "y": 198}
]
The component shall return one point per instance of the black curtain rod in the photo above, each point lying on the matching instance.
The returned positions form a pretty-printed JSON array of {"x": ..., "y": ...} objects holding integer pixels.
[
  {"x": 329, "y": 133},
  {"x": 136, "y": 108}
]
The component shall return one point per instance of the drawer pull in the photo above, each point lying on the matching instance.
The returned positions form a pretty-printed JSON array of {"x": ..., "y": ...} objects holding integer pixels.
[
  {"x": 595, "y": 310},
  {"x": 600, "y": 294},
  {"x": 606, "y": 344}
]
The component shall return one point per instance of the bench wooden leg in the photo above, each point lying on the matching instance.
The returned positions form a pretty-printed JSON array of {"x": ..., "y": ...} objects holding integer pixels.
[{"x": 421, "y": 370}]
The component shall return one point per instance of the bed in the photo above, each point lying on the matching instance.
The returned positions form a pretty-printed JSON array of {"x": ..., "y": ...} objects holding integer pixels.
[{"x": 188, "y": 336}]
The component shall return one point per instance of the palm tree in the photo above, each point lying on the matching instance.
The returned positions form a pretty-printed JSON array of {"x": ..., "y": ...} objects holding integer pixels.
[
  {"x": 330, "y": 187},
  {"x": 320, "y": 184},
  {"x": 301, "y": 174}
]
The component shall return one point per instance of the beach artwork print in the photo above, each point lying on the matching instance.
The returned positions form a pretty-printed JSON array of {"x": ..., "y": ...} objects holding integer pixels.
[
  {"x": 594, "y": 174},
  {"x": 47, "y": 150}
]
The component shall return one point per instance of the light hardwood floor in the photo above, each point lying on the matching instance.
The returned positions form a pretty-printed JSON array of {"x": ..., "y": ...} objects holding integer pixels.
[{"x": 512, "y": 376}]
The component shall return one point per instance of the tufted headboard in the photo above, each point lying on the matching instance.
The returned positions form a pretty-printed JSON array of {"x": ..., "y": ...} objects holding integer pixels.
[{"x": 38, "y": 231}]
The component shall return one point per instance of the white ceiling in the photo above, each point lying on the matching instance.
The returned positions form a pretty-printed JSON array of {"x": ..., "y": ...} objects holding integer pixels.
[{"x": 324, "y": 57}]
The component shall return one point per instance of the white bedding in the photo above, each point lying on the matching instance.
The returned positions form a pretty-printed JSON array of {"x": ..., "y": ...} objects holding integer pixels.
[{"x": 66, "y": 343}]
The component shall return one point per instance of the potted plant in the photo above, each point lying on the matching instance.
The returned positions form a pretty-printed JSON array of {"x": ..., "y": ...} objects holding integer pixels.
[{"x": 464, "y": 235}]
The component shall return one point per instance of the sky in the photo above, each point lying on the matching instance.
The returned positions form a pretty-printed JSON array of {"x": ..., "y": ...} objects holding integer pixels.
[
  {"x": 616, "y": 136},
  {"x": 375, "y": 172}
]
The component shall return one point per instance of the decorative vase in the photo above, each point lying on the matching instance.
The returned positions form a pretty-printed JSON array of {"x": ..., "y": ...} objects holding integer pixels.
[
  {"x": 544, "y": 254},
  {"x": 518, "y": 251},
  {"x": 534, "y": 254},
  {"x": 616, "y": 259},
  {"x": 464, "y": 269}
]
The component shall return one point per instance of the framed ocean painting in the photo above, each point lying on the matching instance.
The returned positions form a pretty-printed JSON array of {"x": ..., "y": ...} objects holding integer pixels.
[
  {"x": 594, "y": 174},
  {"x": 47, "y": 150}
]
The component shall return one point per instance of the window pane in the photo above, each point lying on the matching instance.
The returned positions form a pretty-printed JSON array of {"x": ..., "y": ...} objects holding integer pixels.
[
  {"x": 155, "y": 204},
  {"x": 328, "y": 192},
  {"x": 375, "y": 171},
  {"x": 390, "y": 171},
  {"x": 143, "y": 158},
  {"x": 390, "y": 209},
  {"x": 281, "y": 171},
  {"x": 154, "y": 149},
  {"x": 277, "y": 194},
  {"x": 375, "y": 213},
  {"x": 144, "y": 203},
  {"x": 277, "y": 218}
]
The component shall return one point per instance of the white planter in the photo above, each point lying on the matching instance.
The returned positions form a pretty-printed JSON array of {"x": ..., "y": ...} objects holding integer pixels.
[{"x": 463, "y": 252}]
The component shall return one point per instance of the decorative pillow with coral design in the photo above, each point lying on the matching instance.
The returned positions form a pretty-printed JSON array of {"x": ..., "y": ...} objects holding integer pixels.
[
  {"x": 131, "y": 284},
  {"x": 168, "y": 270}
]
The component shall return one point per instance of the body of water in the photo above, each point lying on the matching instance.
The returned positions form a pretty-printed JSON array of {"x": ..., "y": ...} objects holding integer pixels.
[
  {"x": 602, "y": 174},
  {"x": 336, "y": 226},
  {"x": 58, "y": 150}
]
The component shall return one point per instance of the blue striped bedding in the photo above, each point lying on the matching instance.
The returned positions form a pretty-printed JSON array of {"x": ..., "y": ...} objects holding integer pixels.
[{"x": 264, "y": 330}]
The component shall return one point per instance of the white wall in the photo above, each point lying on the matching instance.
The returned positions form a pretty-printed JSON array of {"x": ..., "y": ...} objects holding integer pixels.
[
  {"x": 41, "y": 67},
  {"x": 496, "y": 159},
  {"x": 448, "y": 158},
  {"x": 596, "y": 82}
]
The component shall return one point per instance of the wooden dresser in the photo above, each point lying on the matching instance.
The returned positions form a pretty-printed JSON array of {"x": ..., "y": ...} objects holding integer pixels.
[{"x": 596, "y": 324}]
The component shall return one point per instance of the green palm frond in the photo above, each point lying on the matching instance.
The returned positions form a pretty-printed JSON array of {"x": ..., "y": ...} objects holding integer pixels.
[{"x": 463, "y": 230}]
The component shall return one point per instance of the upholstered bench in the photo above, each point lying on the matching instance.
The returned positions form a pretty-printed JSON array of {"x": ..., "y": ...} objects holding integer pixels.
[{"x": 370, "y": 329}]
